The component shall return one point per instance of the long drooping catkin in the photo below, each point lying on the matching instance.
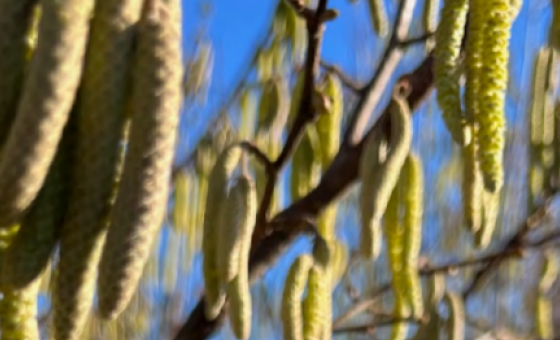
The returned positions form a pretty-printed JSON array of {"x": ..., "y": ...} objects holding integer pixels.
[
  {"x": 45, "y": 104},
  {"x": 15, "y": 20},
  {"x": 141, "y": 201},
  {"x": 29, "y": 253}
]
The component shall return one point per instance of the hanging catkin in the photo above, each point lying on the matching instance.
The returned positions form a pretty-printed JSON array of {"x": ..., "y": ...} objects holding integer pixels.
[
  {"x": 217, "y": 192},
  {"x": 18, "y": 308},
  {"x": 493, "y": 84},
  {"x": 48, "y": 94},
  {"x": 15, "y": 21},
  {"x": 379, "y": 177},
  {"x": 141, "y": 202},
  {"x": 292, "y": 319},
  {"x": 449, "y": 36},
  {"x": 29, "y": 253}
]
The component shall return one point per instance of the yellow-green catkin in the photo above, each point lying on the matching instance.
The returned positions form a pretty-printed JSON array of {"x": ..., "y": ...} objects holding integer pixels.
[
  {"x": 292, "y": 319},
  {"x": 544, "y": 318},
  {"x": 378, "y": 17},
  {"x": 306, "y": 165},
  {"x": 329, "y": 122},
  {"x": 314, "y": 306},
  {"x": 539, "y": 91},
  {"x": 238, "y": 221},
  {"x": 554, "y": 32},
  {"x": 28, "y": 255},
  {"x": 491, "y": 209},
  {"x": 48, "y": 94},
  {"x": 473, "y": 62},
  {"x": 240, "y": 302},
  {"x": 273, "y": 106},
  {"x": 15, "y": 22},
  {"x": 449, "y": 37},
  {"x": 472, "y": 187},
  {"x": 549, "y": 272},
  {"x": 493, "y": 84},
  {"x": 141, "y": 201},
  {"x": 430, "y": 14},
  {"x": 217, "y": 192},
  {"x": 456, "y": 321},
  {"x": 18, "y": 308},
  {"x": 394, "y": 233},
  {"x": 379, "y": 176},
  {"x": 412, "y": 221},
  {"x": 181, "y": 213}
]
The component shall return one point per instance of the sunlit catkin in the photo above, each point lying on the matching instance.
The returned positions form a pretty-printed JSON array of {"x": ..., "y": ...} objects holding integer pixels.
[
  {"x": 543, "y": 318},
  {"x": 18, "y": 309},
  {"x": 472, "y": 187},
  {"x": 491, "y": 209},
  {"x": 238, "y": 221},
  {"x": 412, "y": 222},
  {"x": 45, "y": 103},
  {"x": 549, "y": 272},
  {"x": 493, "y": 84},
  {"x": 456, "y": 320},
  {"x": 292, "y": 319},
  {"x": 15, "y": 21},
  {"x": 314, "y": 305},
  {"x": 378, "y": 17},
  {"x": 429, "y": 15},
  {"x": 449, "y": 37},
  {"x": 240, "y": 307},
  {"x": 329, "y": 123},
  {"x": 217, "y": 191},
  {"x": 539, "y": 91},
  {"x": 379, "y": 177},
  {"x": 28, "y": 255},
  {"x": 475, "y": 38},
  {"x": 141, "y": 201}
]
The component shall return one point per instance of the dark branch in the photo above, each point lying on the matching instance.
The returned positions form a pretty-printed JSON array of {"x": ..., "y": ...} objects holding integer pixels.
[
  {"x": 255, "y": 151},
  {"x": 418, "y": 40}
]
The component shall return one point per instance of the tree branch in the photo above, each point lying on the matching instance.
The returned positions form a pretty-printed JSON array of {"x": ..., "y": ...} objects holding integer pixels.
[
  {"x": 374, "y": 89},
  {"x": 345, "y": 79}
]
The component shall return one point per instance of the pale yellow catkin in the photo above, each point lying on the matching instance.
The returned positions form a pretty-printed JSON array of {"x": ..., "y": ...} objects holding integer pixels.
[
  {"x": 141, "y": 201},
  {"x": 456, "y": 320},
  {"x": 217, "y": 191},
  {"x": 48, "y": 94},
  {"x": 378, "y": 17},
  {"x": 292, "y": 319},
  {"x": 15, "y": 20},
  {"x": 539, "y": 91},
  {"x": 449, "y": 37},
  {"x": 472, "y": 187},
  {"x": 379, "y": 178}
]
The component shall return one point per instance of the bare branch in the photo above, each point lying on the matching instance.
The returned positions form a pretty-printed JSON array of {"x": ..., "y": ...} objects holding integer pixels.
[
  {"x": 369, "y": 327},
  {"x": 345, "y": 79},
  {"x": 255, "y": 151},
  {"x": 374, "y": 89}
]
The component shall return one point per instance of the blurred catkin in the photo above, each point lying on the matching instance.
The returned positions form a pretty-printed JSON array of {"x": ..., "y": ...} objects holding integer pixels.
[
  {"x": 141, "y": 201},
  {"x": 15, "y": 21},
  {"x": 47, "y": 97},
  {"x": 27, "y": 257},
  {"x": 100, "y": 126}
]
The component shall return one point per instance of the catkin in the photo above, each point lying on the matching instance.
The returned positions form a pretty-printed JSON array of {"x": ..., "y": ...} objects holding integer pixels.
[
  {"x": 539, "y": 90},
  {"x": 378, "y": 17},
  {"x": 449, "y": 37},
  {"x": 18, "y": 309},
  {"x": 329, "y": 122},
  {"x": 273, "y": 107},
  {"x": 28, "y": 255},
  {"x": 456, "y": 320},
  {"x": 292, "y": 319},
  {"x": 181, "y": 213},
  {"x": 240, "y": 307},
  {"x": 217, "y": 191},
  {"x": 429, "y": 15},
  {"x": 549, "y": 272},
  {"x": 379, "y": 178},
  {"x": 15, "y": 21},
  {"x": 306, "y": 165},
  {"x": 314, "y": 305},
  {"x": 141, "y": 201},
  {"x": 45, "y": 104},
  {"x": 544, "y": 321},
  {"x": 473, "y": 63},
  {"x": 493, "y": 84},
  {"x": 238, "y": 221},
  {"x": 472, "y": 186},
  {"x": 491, "y": 208},
  {"x": 412, "y": 222}
]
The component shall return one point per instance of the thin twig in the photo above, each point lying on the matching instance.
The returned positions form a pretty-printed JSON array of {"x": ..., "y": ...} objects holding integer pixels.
[
  {"x": 255, "y": 151},
  {"x": 344, "y": 78},
  {"x": 418, "y": 40},
  {"x": 368, "y": 327}
]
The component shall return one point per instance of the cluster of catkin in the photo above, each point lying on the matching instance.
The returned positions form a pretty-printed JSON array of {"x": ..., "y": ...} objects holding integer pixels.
[
  {"x": 89, "y": 107},
  {"x": 478, "y": 125},
  {"x": 392, "y": 182}
]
